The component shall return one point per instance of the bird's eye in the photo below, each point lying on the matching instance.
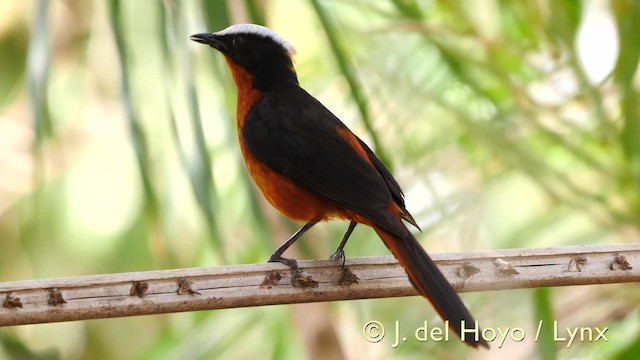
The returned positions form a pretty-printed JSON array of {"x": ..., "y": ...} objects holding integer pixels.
[{"x": 237, "y": 41}]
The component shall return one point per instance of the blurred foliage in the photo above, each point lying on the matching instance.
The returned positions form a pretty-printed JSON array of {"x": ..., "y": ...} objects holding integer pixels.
[{"x": 508, "y": 124}]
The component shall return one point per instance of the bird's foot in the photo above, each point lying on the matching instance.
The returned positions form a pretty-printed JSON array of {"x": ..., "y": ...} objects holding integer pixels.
[
  {"x": 297, "y": 280},
  {"x": 339, "y": 255},
  {"x": 346, "y": 276},
  {"x": 291, "y": 263}
]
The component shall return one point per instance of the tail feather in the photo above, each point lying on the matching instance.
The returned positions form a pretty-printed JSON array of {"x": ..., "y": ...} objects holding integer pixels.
[{"x": 429, "y": 281}]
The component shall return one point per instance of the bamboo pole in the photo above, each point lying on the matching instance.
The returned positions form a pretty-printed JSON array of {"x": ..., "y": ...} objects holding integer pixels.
[{"x": 166, "y": 291}]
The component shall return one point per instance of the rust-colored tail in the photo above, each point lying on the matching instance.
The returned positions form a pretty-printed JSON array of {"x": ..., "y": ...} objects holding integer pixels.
[{"x": 429, "y": 281}]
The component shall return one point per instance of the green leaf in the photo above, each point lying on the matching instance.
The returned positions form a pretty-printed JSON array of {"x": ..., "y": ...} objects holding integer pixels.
[{"x": 544, "y": 320}]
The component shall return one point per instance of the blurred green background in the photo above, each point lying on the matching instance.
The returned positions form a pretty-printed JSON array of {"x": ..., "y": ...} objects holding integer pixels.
[{"x": 508, "y": 124}]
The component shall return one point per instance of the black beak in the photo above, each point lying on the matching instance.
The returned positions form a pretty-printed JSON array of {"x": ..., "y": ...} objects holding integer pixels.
[{"x": 210, "y": 39}]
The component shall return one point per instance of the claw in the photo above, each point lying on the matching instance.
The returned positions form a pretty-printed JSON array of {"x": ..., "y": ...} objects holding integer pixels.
[{"x": 339, "y": 255}]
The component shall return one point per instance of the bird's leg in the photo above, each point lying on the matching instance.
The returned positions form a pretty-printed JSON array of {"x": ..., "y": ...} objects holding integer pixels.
[
  {"x": 339, "y": 254},
  {"x": 296, "y": 279},
  {"x": 277, "y": 255}
]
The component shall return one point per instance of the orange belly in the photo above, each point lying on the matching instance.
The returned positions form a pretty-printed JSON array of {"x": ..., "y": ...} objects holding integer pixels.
[{"x": 288, "y": 198}]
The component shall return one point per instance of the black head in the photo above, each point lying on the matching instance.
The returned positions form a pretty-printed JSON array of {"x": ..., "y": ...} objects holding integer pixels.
[{"x": 257, "y": 49}]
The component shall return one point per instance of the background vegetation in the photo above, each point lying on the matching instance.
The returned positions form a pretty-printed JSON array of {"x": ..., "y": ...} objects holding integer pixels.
[{"x": 508, "y": 123}]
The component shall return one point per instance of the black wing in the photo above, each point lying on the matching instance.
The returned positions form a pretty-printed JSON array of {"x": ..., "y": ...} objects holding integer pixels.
[{"x": 296, "y": 136}]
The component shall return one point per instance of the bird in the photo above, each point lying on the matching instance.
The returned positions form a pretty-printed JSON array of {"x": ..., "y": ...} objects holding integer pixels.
[{"x": 312, "y": 168}]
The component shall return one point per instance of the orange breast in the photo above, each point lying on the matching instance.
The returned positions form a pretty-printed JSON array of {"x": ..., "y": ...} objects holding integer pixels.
[{"x": 288, "y": 198}]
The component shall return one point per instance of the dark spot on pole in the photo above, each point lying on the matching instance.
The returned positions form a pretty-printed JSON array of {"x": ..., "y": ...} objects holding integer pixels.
[
  {"x": 504, "y": 268},
  {"x": 184, "y": 287},
  {"x": 12, "y": 301},
  {"x": 467, "y": 270},
  {"x": 347, "y": 277},
  {"x": 297, "y": 280},
  {"x": 139, "y": 289},
  {"x": 272, "y": 278},
  {"x": 620, "y": 263},
  {"x": 577, "y": 262},
  {"x": 55, "y": 297}
]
